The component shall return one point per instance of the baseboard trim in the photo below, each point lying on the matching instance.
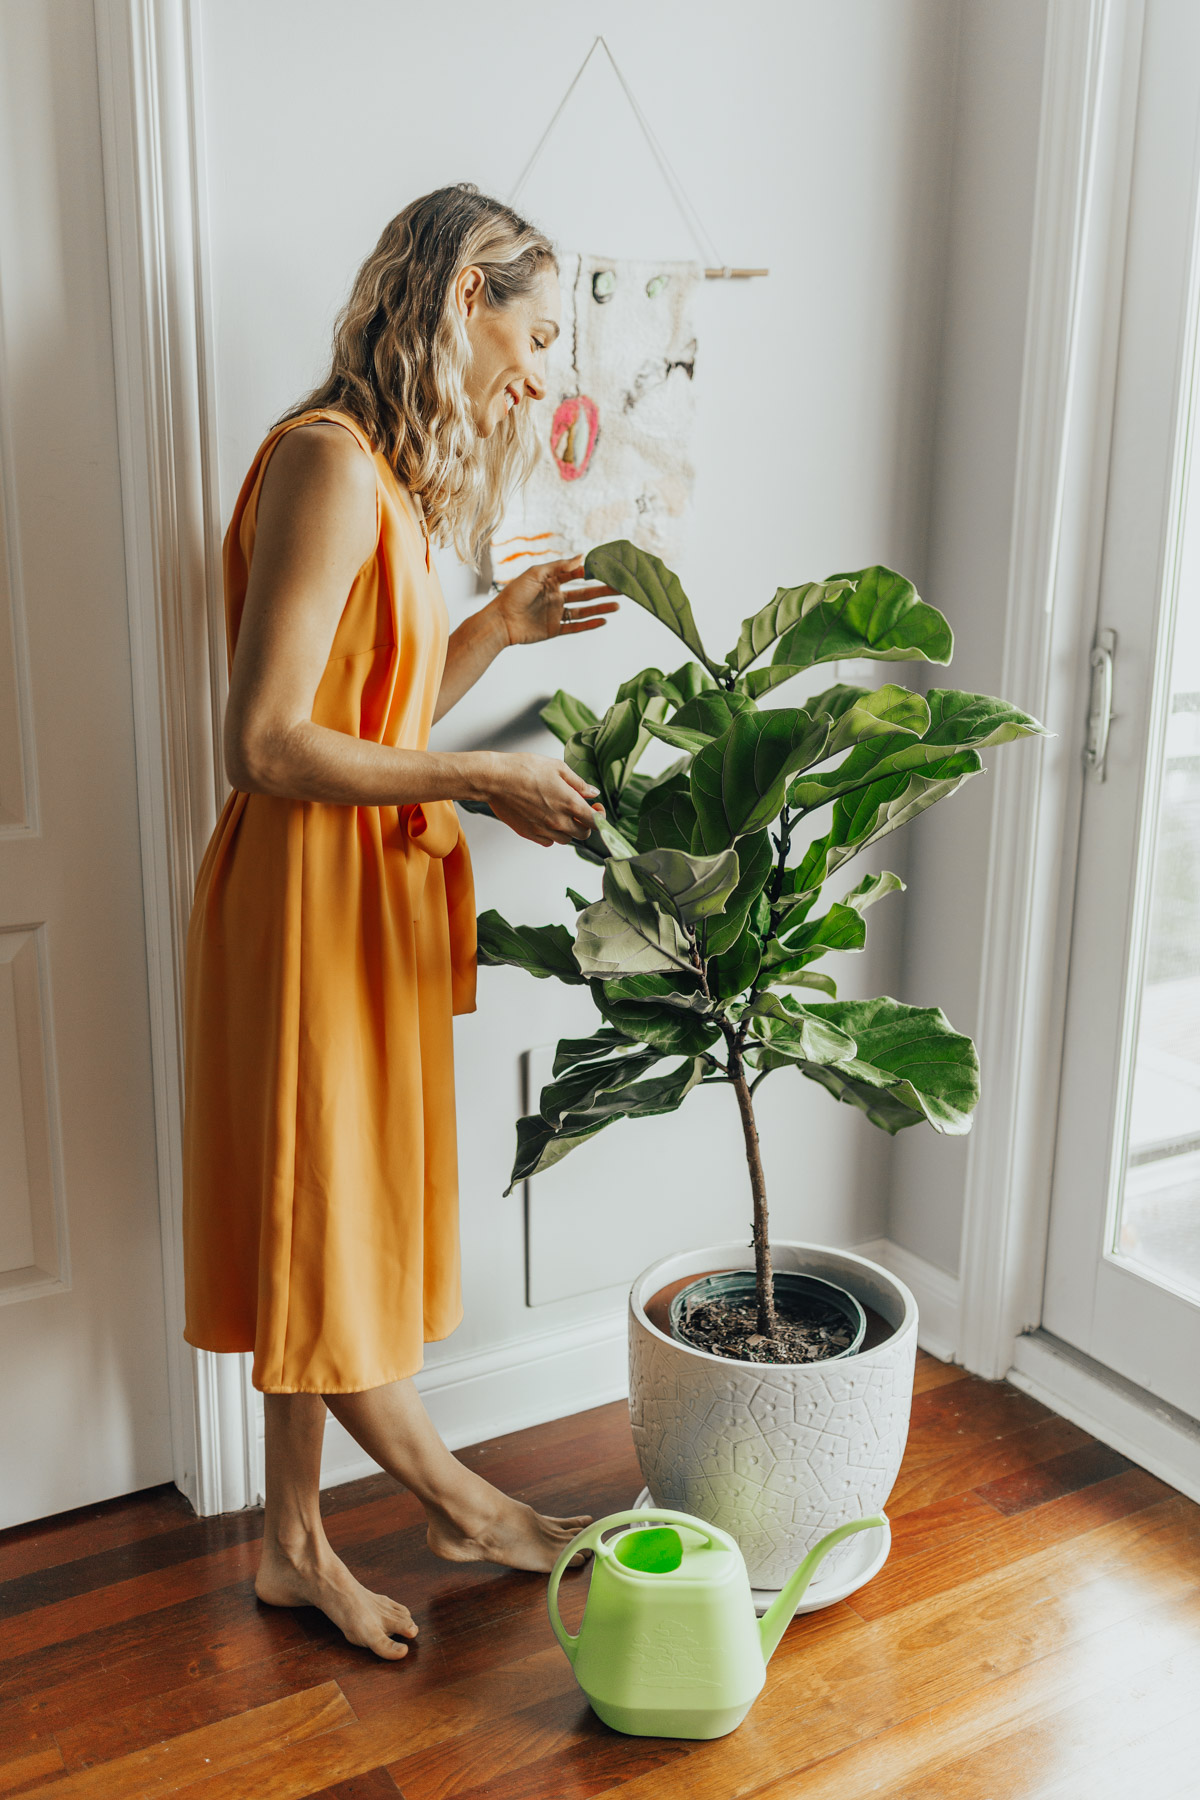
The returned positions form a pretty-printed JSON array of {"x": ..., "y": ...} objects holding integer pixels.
[
  {"x": 1149, "y": 1431},
  {"x": 487, "y": 1393},
  {"x": 936, "y": 1293}
]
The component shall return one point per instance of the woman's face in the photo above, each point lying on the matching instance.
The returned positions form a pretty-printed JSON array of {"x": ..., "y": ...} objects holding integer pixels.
[{"x": 508, "y": 345}]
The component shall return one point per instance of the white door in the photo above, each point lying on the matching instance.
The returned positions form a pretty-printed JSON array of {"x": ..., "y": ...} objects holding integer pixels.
[
  {"x": 1123, "y": 1274},
  {"x": 83, "y": 1394}
]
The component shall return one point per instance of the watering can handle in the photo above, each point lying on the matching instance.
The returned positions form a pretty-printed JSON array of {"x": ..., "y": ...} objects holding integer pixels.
[{"x": 589, "y": 1539}]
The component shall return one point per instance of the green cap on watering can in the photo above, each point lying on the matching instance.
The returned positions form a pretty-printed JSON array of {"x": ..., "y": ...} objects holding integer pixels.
[{"x": 670, "y": 1645}]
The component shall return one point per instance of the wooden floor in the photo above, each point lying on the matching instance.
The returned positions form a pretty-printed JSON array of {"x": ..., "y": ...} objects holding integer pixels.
[{"x": 1036, "y": 1632}]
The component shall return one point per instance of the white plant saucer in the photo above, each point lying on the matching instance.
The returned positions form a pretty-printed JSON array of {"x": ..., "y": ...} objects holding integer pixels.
[{"x": 866, "y": 1553}]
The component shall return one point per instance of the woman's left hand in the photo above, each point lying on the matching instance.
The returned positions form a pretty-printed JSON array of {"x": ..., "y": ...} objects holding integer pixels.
[{"x": 535, "y": 606}]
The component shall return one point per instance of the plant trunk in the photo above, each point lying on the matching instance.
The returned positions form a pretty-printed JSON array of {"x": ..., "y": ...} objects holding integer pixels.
[{"x": 764, "y": 1279}]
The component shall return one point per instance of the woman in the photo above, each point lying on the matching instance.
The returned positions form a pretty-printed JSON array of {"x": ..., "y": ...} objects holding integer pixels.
[{"x": 333, "y": 930}]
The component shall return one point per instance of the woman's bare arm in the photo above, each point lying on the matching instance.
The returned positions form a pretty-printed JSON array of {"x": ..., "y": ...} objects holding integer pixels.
[{"x": 316, "y": 528}]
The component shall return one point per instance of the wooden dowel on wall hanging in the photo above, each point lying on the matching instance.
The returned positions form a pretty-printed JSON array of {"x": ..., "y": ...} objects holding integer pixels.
[{"x": 733, "y": 274}]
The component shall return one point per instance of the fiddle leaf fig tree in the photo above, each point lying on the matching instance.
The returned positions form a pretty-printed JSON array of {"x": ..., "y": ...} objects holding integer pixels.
[{"x": 700, "y": 950}]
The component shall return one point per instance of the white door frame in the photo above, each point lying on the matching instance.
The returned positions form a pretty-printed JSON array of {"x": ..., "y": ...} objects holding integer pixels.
[
  {"x": 1068, "y": 382},
  {"x": 151, "y": 125}
]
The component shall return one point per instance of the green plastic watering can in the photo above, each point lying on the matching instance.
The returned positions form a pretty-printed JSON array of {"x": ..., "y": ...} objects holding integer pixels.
[{"x": 670, "y": 1645}]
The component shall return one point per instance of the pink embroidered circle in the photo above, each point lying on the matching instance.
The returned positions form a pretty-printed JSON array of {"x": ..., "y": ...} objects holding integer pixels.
[{"x": 573, "y": 436}]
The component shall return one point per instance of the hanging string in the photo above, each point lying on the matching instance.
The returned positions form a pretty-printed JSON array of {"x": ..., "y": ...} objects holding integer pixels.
[{"x": 691, "y": 218}]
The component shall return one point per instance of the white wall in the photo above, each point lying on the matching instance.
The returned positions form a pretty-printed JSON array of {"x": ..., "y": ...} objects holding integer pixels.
[
  {"x": 979, "y": 381},
  {"x": 816, "y": 141}
]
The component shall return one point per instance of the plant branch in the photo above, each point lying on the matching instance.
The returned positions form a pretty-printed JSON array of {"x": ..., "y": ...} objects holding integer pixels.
[{"x": 764, "y": 1279}]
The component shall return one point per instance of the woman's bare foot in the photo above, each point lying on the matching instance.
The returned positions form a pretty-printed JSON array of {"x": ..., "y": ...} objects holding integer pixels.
[
  {"x": 483, "y": 1525},
  {"x": 314, "y": 1576}
]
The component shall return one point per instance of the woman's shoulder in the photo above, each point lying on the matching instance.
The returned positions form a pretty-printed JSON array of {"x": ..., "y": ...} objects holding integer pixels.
[
  {"x": 323, "y": 454},
  {"x": 315, "y": 473}
]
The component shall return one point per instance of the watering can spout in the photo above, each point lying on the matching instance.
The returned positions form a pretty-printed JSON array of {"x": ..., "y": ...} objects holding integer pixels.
[{"x": 778, "y": 1615}]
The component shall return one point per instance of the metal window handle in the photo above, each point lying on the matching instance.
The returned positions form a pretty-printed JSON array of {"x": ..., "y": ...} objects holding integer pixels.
[{"x": 1100, "y": 712}]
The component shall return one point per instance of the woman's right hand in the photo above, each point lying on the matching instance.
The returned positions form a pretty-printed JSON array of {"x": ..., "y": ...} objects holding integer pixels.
[{"x": 541, "y": 799}]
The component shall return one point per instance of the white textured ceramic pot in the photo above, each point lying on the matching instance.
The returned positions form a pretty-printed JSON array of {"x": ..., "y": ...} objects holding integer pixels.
[{"x": 776, "y": 1454}]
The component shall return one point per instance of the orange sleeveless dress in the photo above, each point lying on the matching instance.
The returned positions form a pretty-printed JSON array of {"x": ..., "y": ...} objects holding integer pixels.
[{"x": 328, "y": 948}]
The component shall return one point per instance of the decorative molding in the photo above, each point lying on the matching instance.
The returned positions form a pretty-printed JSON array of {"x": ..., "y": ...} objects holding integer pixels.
[
  {"x": 1149, "y": 1431},
  {"x": 1065, "y": 423},
  {"x": 154, "y": 201},
  {"x": 31, "y": 1143},
  {"x": 936, "y": 1292},
  {"x": 19, "y": 811}
]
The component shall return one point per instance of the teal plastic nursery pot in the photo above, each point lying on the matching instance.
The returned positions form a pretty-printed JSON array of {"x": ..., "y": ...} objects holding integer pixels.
[{"x": 796, "y": 1296}]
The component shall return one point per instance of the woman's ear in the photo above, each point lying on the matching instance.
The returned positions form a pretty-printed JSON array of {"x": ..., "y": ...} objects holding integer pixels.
[{"x": 468, "y": 289}]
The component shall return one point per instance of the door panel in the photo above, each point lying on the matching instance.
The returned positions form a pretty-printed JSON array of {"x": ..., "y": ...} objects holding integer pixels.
[
  {"x": 1125, "y": 1107},
  {"x": 83, "y": 1406}
]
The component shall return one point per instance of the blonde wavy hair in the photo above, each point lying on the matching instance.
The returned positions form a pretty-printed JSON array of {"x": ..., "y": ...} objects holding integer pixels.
[{"x": 401, "y": 351}]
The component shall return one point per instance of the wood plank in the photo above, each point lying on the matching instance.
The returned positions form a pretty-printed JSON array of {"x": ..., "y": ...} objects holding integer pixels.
[
  {"x": 124, "y": 1601},
  {"x": 102, "y": 1735},
  {"x": 1065, "y": 1474},
  {"x": 84, "y": 1575},
  {"x": 164, "y": 1767},
  {"x": 513, "y": 1755},
  {"x": 116, "y": 1665},
  {"x": 30, "y": 1765},
  {"x": 1000, "y": 1542},
  {"x": 45, "y": 1543},
  {"x": 376, "y": 1784},
  {"x": 918, "y": 1485},
  {"x": 930, "y": 1373},
  {"x": 1065, "y": 1712},
  {"x": 438, "y": 1716},
  {"x": 965, "y": 1415}
]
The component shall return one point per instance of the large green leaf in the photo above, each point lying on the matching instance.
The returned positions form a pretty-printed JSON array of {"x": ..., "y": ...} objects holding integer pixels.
[
  {"x": 564, "y": 715},
  {"x": 647, "y": 1007},
  {"x": 887, "y": 713},
  {"x": 691, "y": 887},
  {"x": 882, "y": 618},
  {"x": 706, "y": 716},
  {"x": 735, "y": 969},
  {"x": 647, "y": 580},
  {"x": 667, "y": 820},
  {"x": 841, "y": 928},
  {"x": 976, "y": 720},
  {"x": 685, "y": 682},
  {"x": 755, "y": 862},
  {"x": 539, "y": 949},
  {"x": 605, "y": 840},
  {"x": 738, "y": 781},
  {"x": 869, "y": 814},
  {"x": 541, "y": 1143},
  {"x": 875, "y": 760},
  {"x": 540, "y": 1146},
  {"x": 580, "y": 1089},
  {"x": 787, "y": 1032},
  {"x": 928, "y": 1069},
  {"x": 579, "y": 754},
  {"x": 625, "y": 933},
  {"x": 604, "y": 1042},
  {"x": 761, "y": 629},
  {"x": 872, "y": 888}
]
